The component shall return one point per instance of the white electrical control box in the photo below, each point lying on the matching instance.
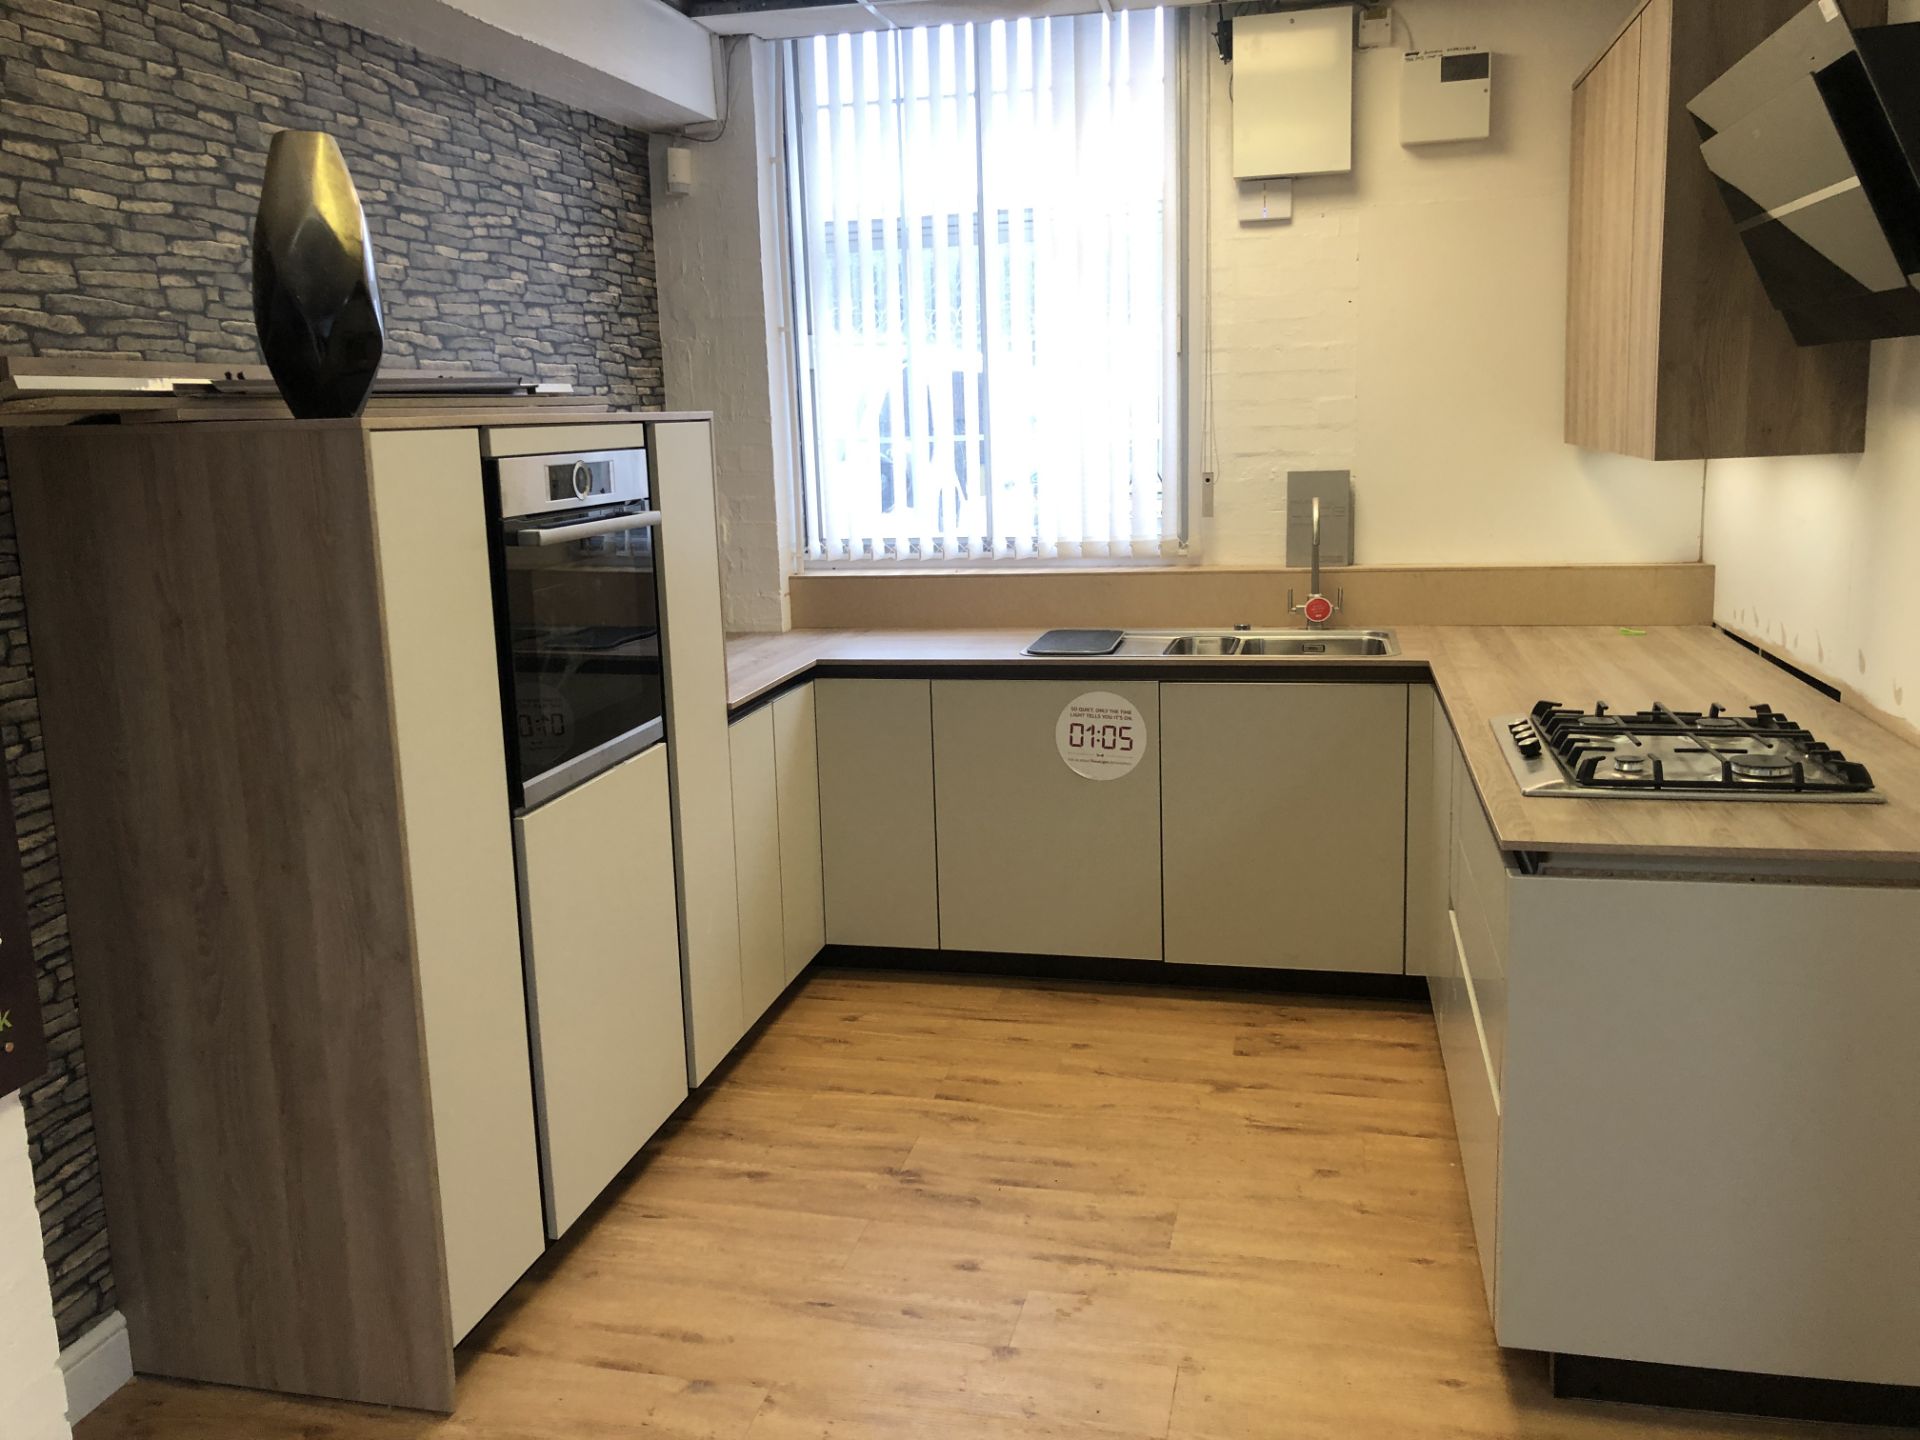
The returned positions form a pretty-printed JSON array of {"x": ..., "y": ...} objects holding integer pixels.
[
  {"x": 1293, "y": 93},
  {"x": 1446, "y": 95},
  {"x": 679, "y": 170}
]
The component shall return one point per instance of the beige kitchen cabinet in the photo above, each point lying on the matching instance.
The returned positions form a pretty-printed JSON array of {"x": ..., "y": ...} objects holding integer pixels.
[
  {"x": 876, "y": 812},
  {"x": 756, "y": 845},
  {"x": 1430, "y": 800},
  {"x": 602, "y": 946},
  {"x": 1035, "y": 858},
  {"x": 1705, "y": 1151},
  {"x": 797, "y": 777},
  {"x": 1462, "y": 985},
  {"x": 1674, "y": 351},
  {"x": 1480, "y": 880},
  {"x": 1284, "y": 825},
  {"x": 681, "y": 455},
  {"x": 776, "y": 826}
]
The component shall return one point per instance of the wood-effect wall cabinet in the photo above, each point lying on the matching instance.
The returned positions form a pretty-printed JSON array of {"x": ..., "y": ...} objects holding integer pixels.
[
  {"x": 1674, "y": 351},
  {"x": 1284, "y": 825},
  {"x": 1035, "y": 858}
]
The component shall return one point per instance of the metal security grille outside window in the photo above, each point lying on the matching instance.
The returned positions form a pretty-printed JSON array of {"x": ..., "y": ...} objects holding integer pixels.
[{"x": 985, "y": 242}]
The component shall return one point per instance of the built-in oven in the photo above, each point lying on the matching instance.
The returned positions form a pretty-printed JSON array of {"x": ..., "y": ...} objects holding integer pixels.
[{"x": 577, "y": 616}]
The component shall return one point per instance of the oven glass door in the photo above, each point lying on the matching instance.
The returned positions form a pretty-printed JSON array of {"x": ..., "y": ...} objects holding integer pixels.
[{"x": 581, "y": 643}]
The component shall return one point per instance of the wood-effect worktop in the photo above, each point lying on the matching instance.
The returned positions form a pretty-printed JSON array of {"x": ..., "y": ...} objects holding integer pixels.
[{"x": 1480, "y": 672}]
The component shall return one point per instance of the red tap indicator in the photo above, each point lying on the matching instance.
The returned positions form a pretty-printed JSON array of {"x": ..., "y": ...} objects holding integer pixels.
[{"x": 1319, "y": 609}]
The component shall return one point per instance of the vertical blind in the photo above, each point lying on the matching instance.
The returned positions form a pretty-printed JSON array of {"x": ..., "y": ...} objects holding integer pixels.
[{"x": 981, "y": 229}]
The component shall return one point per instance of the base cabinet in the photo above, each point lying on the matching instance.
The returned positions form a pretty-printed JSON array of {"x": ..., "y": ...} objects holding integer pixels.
[
  {"x": 876, "y": 812},
  {"x": 1285, "y": 825},
  {"x": 796, "y": 770},
  {"x": 1706, "y": 1152},
  {"x": 602, "y": 953},
  {"x": 776, "y": 828},
  {"x": 1034, "y": 857},
  {"x": 756, "y": 848},
  {"x": 1430, "y": 802}
]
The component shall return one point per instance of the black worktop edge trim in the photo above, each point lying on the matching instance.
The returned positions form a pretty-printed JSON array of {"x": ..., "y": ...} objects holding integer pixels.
[{"x": 1386, "y": 671}]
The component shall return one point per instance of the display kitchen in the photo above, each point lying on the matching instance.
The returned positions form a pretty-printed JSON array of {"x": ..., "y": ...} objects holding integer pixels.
[{"x": 795, "y": 719}]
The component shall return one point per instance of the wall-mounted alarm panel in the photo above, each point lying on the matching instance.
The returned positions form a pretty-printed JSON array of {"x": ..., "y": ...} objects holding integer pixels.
[
  {"x": 1446, "y": 95},
  {"x": 1293, "y": 92}
]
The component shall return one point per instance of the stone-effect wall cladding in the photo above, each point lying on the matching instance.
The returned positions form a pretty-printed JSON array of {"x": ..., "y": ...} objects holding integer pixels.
[{"x": 512, "y": 235}]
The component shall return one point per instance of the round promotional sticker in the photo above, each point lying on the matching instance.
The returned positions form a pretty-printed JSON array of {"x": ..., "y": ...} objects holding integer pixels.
[{"x": 1100, "y": 735}]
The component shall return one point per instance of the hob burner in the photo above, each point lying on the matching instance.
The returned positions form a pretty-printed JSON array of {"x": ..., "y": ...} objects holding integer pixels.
[{"x": 1669, "y": 754}]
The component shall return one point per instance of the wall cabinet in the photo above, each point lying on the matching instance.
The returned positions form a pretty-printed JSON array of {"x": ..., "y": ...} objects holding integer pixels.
[
  {"x": 1035, "y": 858},
  {"x": 603, "y": 977},
  {"x": 1674, "y": 351},
  {"x": 1284, "y": 825},
  {"x": 876, "y": 812}
]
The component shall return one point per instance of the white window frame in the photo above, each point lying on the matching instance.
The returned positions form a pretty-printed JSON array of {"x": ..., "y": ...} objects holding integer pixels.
[{"x": 1184, "y": 381}]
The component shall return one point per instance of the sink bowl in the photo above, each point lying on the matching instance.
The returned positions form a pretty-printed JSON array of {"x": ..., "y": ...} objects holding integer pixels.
[
  {"x": 1203, "y": 645},
  {"x": 1322, "y": 642},
  {"x": 1261, "y": 644}
]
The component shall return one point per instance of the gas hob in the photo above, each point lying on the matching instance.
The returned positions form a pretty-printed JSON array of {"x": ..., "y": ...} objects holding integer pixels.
[{"x": 1663, "y": 754}]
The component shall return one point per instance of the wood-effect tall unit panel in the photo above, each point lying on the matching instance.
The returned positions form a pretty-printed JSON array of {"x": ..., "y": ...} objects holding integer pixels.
[
  {"x": 1674, "y": 351},
  {"x": 219, "y": 730}
]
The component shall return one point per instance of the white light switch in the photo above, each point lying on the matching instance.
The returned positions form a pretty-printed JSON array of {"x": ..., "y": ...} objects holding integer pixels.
[{"x": 1263, "y": 201}]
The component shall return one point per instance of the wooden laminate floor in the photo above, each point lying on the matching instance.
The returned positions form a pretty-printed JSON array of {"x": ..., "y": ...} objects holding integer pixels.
[{"x": 954, "y": 1208}]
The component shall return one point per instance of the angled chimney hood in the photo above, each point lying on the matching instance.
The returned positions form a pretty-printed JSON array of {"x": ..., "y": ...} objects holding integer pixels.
[{"x": 1815, "y": 140}]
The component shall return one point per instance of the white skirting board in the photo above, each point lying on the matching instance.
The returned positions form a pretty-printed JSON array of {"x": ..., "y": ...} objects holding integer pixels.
[{"x": 96, "y": 1365}]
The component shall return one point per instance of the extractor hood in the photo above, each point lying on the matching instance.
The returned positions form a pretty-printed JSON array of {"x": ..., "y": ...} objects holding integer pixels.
[{"x": 1814, "y": 138}]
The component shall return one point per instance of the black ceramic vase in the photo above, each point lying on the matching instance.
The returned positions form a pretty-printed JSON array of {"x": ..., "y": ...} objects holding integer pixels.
[{"x": 316, "y": 304}]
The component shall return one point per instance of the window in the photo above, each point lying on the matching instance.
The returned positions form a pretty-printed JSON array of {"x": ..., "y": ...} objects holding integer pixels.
[{"x": 983, "y": 244}]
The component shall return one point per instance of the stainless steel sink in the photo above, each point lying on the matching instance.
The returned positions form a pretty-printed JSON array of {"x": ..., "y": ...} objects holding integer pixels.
[
  {"x": 1322, "y": 642},
  {"x": 1260, "y": 644},
  {"x": 1203, "y": 645}
]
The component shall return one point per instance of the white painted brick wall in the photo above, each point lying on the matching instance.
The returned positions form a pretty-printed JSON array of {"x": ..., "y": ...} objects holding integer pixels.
[
  {"x": 33, "y": 1395},
  {"x": 1409, "y": 324}
]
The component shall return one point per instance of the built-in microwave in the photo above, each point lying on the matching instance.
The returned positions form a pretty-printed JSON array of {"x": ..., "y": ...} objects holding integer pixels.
[{"x": 577, "y": 616}]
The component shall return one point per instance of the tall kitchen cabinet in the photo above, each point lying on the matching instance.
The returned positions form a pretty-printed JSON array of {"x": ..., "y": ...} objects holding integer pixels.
[
  {"x": 877, "y": 812},
  {"x": 267, "y": 674},
  {"x": 699, "y": 751},
  {"x": 1674, "y": 351},
  {"x": 1034, "y": 857},
  {"x": 776, "y": 823},
  {"x": 1283, "y": 818}
]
